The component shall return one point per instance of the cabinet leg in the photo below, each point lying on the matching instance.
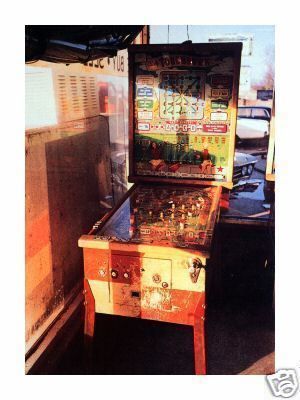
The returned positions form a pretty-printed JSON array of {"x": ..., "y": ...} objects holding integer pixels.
[
  {"x": 89, "y": 326},
  {"x": 199, "y": 338}
]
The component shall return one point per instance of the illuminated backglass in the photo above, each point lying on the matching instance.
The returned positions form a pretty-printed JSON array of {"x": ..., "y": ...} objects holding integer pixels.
[{"x": 183, "y": 114}]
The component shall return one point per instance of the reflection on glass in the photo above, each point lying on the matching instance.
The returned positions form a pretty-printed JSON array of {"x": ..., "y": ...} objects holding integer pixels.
[{"x": 113, "y": 103}]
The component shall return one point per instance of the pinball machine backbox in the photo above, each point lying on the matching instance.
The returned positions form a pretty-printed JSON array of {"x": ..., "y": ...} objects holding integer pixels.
[{"x": 147, "y": 257}]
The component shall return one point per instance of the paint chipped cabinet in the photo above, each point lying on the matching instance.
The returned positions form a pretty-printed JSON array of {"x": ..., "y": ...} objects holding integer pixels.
[{"x": 147, "y": 258}]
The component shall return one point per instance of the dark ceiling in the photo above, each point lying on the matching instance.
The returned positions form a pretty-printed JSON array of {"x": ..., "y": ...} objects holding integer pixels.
[{"x": 76, "y": 43}]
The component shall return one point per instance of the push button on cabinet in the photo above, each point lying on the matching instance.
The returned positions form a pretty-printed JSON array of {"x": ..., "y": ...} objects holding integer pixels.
[
  {"x": 102, "y": 272},
  {"x": 114, "y": 273}
]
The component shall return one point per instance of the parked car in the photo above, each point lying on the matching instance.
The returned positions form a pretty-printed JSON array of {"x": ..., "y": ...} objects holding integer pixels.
[
  {"x": 243, "y": 166},
  {"x": 253, "y": 122},
  {"x": 251, "y": 129},
  {"x": 255, "y": 112}
]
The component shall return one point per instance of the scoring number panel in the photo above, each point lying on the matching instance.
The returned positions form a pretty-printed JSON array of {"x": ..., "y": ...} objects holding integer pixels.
[{"x": 181, "y": 94}]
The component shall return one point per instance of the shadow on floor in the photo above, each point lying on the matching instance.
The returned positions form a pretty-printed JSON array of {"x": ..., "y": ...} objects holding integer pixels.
[{"x": 236, "y": 339}]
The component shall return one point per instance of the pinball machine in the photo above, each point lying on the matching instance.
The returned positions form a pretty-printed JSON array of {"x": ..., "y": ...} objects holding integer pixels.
[{"x": 147, "y": 257}]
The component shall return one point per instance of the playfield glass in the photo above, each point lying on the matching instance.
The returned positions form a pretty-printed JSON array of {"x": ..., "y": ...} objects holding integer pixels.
[{"x": 169, "y": 216}]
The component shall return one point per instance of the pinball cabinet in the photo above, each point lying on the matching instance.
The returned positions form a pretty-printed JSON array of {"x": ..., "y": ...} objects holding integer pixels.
[{"x": 147, "y": 258}]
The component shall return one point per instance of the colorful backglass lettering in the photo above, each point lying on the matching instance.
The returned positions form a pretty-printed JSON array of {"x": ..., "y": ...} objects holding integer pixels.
[{"x": 184, "y": 112}]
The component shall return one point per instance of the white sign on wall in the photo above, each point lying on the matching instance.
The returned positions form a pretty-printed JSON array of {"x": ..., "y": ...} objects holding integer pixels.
[{"x": 247, "y": 41}]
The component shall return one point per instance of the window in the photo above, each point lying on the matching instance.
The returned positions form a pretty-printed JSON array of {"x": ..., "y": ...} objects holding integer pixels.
[{"x": 244, "y": 112}]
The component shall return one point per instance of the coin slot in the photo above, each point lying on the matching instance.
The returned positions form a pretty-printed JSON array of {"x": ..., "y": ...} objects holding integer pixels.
[{"x": 135, "y": 294}]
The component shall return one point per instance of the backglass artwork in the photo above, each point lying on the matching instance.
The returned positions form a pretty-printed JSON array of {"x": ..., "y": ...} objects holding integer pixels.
[{"x": 184, "y": 114}]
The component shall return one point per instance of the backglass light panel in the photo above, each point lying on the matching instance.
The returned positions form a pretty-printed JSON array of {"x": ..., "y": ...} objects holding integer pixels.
[
  {"x": 181, "y": 95},
  {"x": 184, "y": 111}
]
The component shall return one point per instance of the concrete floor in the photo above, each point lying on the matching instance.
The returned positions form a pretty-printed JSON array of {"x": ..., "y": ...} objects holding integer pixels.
[{"x": 238, "y": 342}]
